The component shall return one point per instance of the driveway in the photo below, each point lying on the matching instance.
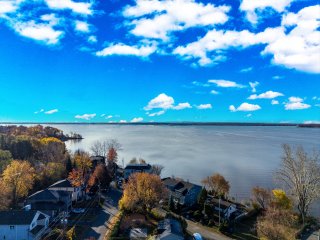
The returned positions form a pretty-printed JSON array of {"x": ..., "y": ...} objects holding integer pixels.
[
  {"x": 98, "y": 228},
  {"x": 205, "y": 232}
]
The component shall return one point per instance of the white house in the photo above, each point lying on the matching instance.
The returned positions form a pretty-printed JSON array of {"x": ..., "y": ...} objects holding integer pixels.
[
  {"x": 224, "y": 207},
  {"x": 65, "y": 185},
  {"x": 23, "y": 225}
]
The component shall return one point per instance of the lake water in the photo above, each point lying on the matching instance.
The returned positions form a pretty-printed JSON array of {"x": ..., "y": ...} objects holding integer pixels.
[{"x": 246, "y": 155}]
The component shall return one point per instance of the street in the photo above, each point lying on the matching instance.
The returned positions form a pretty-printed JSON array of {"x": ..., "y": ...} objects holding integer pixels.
[
  {"x": 110, "y": 207},
  {"x": 207, "y": 234}
]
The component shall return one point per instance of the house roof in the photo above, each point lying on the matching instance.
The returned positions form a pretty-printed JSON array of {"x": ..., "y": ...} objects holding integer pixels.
[
  {"x": 97, "y": 158},
  {"x": 223, "y": 204},
  {"x": 48, "y": 206},
  {"x": 179, "y": 186},
  {"x": 138, "y": 166},
  {"x": 48, "y": 195},
  {"x": 168, "y": 227},
  {"x": 62, "y": 184},
  {"x": 36, "y": 230},
  {"x": 16, "y": 217}
]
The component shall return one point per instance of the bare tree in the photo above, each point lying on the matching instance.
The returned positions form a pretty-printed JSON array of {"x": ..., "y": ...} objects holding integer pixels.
[
  {"x": 301, "y": 175},
  {"x": 157, "y": 169},
  {"x": 101, "y": 148},
  {"x": 261, "y": 196}
]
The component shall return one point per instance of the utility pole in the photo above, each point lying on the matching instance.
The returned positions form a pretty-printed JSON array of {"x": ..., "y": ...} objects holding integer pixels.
[{"x": 219, "y": 210}]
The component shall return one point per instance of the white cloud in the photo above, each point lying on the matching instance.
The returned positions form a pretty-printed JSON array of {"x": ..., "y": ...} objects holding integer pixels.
[
  {"x": 122, "y": 121},
  {"x": 109, "y": 116},
  {"x": 92, "y": 39},
  {"x": 51, "y": 111},
  {"x": 214, "y": 92},
  {"x": 83, "y": 8},
  {"x": 249, "y": 115},
  {"x": 7, "y": 6},
  {"x": 181, "y": 106},
  {"x": 102, "y": 115},
  {"x": 253, "y": 85},
  {"x": 86, "y": 116},
  {"x": 226, "y": 84},
  {"x": 138, "y": 119},
  {"x": 245, "y": 70},
  {"x": 204, "y": 106},
  {"x": 296, "y": 103},
  {"x": 277, "y": 77},
  {"x": 122, "y": 49},
  {"x": 81, "y": 26},
  {"x": 42, "y": 32},
  {"x": 311, "y": 122},
  {"x": 254, "y": 8},
  {"x": 274, "y": 102},
  {"x": 158, "y": 19},
  {"x": 266, "y": 95},
  {"x": 200, "y": 84},
  {"x": 156, "y": 113},
  {"x": 40, "y": 111},
  {"x": 244, "y": 107},
  {"x": 162, "y": 101},
  {"x": 303, "y": 51}
]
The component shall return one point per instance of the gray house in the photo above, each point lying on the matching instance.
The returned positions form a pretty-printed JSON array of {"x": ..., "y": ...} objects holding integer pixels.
[
  {"x": 182, "y": 192},
  {"x": 51, "y": 202},
  {"x": 23, "y": 225},
  {"x": 136, "y": 168},
  {"x": 170, "y": 229}
]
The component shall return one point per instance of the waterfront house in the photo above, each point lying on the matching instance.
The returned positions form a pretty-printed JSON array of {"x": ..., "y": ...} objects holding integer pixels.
[
  {"x": 169, "y": 229},
  {"x": 225, "y": 208},
  {"x": 77, "y": 193},
  {"x": 23, "y": 225},
  {"x": 51, "y": 202},
  {"x": 182, "y": 192},
  {"x": 136, "y": 168}
]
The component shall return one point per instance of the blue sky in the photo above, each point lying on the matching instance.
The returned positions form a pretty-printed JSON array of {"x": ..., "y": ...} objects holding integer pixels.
[{"x": 152, "y": 60}]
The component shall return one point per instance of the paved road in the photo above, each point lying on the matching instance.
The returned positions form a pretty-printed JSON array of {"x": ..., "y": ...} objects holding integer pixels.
[
  {"x": 99, "y": 227},
  {"x": 205, "y": 233}
]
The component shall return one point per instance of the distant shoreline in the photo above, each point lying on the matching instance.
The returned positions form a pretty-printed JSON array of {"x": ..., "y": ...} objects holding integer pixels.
[{"x": 175, "y": 124}]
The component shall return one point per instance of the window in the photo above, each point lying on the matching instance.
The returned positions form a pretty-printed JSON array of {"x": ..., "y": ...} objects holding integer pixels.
[{"x": 11, "y": 227}]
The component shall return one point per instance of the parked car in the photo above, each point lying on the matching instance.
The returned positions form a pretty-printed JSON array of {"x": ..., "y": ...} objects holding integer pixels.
[
  {"x": 197, "y": 236},
  {"x": 78, "y": 210}
]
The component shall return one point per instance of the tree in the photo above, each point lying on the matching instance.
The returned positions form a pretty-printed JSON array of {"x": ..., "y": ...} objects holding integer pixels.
[
  {"x": 143, "y": 192},
  {"x": 281, "y": 200},
  {"x": 300, "y": 174},
  {"x": 100, "y": 176},
  {"x": 156, "y": 169},
  {"x": 5, "y": 159},
  {"x": 261, "y": 196},
  {"x": 83, "y": 162},
  {"x": 217, "y": 184},
  {"x": 76, "y": 178},
  {"x": 202, "y": 197},
  {"x": 5, "y": 196},
  {"x": 101, "y": 148},
  {"x": 18, "y": 177},
  {"x": 68, "y": 164}
]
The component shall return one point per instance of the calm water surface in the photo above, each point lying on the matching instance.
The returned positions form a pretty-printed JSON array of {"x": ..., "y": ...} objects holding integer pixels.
[{"x": 247, "y": 156}]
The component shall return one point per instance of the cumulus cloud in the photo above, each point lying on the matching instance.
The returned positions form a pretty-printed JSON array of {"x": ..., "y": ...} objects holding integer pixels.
[
  {"x": 92, "y": 39},
  {"x": 255, "y": 8},
  {"x": 123, "y": 49},
  {"x": 162, "y": 101},
  {"x": 52, "y": 111},
  {"x": 266, "y": 95},
  {"x": 181, "y": 106},
  {"x": 204, "y": 106},
  {"x": 83, "y": 8},
  {"x": 138, "y": 119},
  {"x": 86, "y": 116},
  {"x": 253, "y": 86},
  {"x": 274, "y": 102},
  {"x": 157, "y": 19},
  {"x": 40, "y": 111},
  {"x": 296, "y": 103},
  {"x": 81, "y": 26},
  {"x": 244, "y": 107},
  {"x": 226, "y": 84},
  {"x": 200, "y": 84},
  {"x": 122, "y": 121}
]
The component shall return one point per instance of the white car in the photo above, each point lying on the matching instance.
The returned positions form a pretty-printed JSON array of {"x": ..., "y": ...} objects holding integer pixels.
[
  {"x": 197, "y": 236},
  {"x": 78, "y": 210}
]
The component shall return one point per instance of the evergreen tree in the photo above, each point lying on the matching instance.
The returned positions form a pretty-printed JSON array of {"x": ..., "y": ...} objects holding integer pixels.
[
  {"x": 68, "y": 165},
  {"x": 202, "y": 197}
]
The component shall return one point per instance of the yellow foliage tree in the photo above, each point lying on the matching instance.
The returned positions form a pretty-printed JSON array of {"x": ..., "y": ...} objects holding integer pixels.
[
  {"x": 281, "y": 200},
  {"x": 142, "y": 192},
  {"x": 18, "y": 177}
]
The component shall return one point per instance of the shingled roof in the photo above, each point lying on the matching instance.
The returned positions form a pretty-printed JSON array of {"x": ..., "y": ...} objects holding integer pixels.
[
  {"x": 16, "y": 217},
  {"x": 65, "y": 183},
  {"x": 179, "y": 186}
]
